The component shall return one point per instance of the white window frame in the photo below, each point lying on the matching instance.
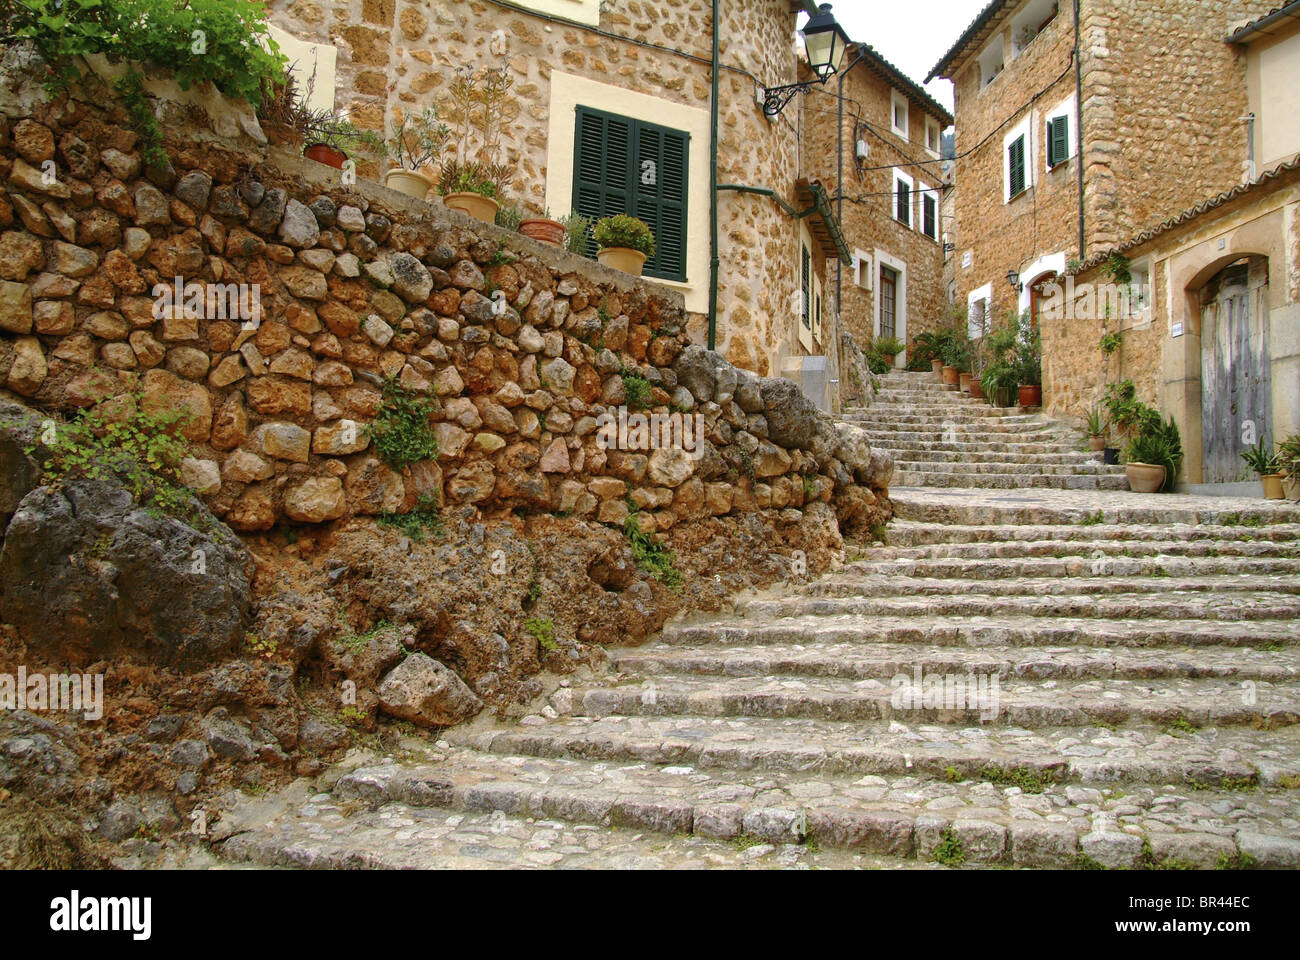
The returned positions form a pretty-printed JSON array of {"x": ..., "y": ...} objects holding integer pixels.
[
  {"x": 984, "y": 293},
  {"x": 900, "y": 176},
  {"x": 862, "y": 270},
  {"x": 897, "y": 100},
  {"x": 932, "y": 124},
  {"x": 1025, "y": 128},
  {"x": 993, "y": 55},
  {"x": 1065, "y": 108},
  {"x": 579, "y": 11},
  {"x": 884, "y": 259},
  {"x": 922, "y": 191}
]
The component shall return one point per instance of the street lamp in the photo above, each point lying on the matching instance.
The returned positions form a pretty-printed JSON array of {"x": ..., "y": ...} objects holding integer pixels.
[
  {"x": 1013, "y": 278},
  {"x": 825, "y": 43}
]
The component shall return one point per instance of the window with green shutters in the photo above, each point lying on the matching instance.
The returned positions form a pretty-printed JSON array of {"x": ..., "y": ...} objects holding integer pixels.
[
  {"x": 1058, "y": 141},
  {"x": 805, "y": 276},
  {"x": 903, "y": 203},
  {"x": 1016, "y": 167},
  {"x": 628, "y": 166}
]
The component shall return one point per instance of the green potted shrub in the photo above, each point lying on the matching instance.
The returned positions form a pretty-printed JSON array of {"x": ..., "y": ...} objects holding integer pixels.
[
  {"x": 1097, "y": 427},
  {"x": 954, "y": 353},
  {"x": 1288, "y": 461},
  {"x": 887, "y": 348},
  {"x": 1267, "y": 467},
  {"x": 999, "y": 381},
  {"x": 623, "y": 243},
  {"x": 1029, "y": 362},
  {"x": 1153, "y": 456},
  {"x": 577, "y": 232},
  {"x": 1128, "y": 414}
]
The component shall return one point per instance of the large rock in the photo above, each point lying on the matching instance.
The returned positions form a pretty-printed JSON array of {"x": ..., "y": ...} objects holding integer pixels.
[
  {"x": 695, "y": 371},
  {"x": 411, "y": 280},
  {"x": 87, "y": 572},
  {"x": 792, "y": 419},
  {"x": 20, "y": 473},
  {"x": 422, "y": 690}
]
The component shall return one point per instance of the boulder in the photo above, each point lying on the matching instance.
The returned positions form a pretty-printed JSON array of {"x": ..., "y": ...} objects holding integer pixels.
[
  {"x": 792, "y": 419},
  {"x": 20, "y": 473},
  {"x": 427, "y": 693},
  {"x": 86, "y": 571}
]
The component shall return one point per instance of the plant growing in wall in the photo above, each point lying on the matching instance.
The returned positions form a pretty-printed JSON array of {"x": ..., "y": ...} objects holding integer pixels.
[
  {"x": 401, "y": 431},
  {"x": 624, "y": 243}
]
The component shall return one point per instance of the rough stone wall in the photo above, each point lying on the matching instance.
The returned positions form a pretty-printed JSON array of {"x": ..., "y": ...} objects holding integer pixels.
[
  {"x": 401, "y": 54},
  {"x": 1041, "y": 221},
  {"x": 522, "y": 346},
  {"x": 868, "y": 223},
  {"x": 1161, "y": 96}
]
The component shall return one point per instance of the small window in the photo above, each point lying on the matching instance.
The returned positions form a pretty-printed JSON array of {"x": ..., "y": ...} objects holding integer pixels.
[
  {"x": 1058, "y": 141},
  {"x": 898, "y": 117},
  {"x": 862, "y": 270},
  {"x": 933, "y": 137},
  {"x": 977, "y": 325},
  {"x": 1016, "y": 167},
  {"x": 930, "y": 215},
  {"x": 903, "y": 198}
]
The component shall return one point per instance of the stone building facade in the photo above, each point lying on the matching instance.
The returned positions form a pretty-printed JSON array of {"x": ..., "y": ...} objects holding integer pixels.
[
  {"x": 647, "y": 62},
  {"x": 1214, "y": 337},
  {"x": 1163, "y": 97},
  {"x": 889, "y": 154}
]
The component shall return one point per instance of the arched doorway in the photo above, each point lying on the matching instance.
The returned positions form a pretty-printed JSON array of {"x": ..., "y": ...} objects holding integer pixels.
[
  {"x": 1236, "y": 381},
  {"x": 1038, "y": 299}
]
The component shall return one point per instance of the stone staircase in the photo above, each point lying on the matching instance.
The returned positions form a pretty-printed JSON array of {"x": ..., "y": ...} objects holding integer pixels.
[
  {"x": 940, "y": 438},
  {"x": 1147, "y": 712}
]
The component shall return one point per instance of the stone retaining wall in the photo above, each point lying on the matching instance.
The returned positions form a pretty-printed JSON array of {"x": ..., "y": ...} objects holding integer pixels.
[{"x": 521, "y": 346}]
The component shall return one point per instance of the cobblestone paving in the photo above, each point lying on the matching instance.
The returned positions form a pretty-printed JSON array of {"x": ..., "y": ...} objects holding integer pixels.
[{"x": 1118, "y": 684}]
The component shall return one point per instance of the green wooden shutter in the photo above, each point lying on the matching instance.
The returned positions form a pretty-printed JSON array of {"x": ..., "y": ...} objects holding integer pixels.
[
  {"x": 1058, "y": 141},
  {"x": 904, "y": 204},
  {"x": 627, "y": 166},
  {"x": 929, "y": 226},
  {"x": 1016, "y": 156},
  {"x": 806, "y": 280}
]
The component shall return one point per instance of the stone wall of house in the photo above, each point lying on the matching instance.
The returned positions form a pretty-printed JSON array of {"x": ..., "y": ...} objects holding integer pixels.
[
  {"x": 399, "y": 55},
  {"x": 521, "y": 346},
  {"x": 868, "y": 222},
  {"x": 1162, "y": 94}
]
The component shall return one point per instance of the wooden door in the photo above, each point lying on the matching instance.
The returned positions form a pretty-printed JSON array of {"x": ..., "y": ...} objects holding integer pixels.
[
  {"x": 888, "y": 302},
  {"x": 1236, "y": 392}
]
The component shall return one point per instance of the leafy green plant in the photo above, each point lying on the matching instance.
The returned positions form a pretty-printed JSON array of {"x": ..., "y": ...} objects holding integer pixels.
[
  {"x": 949, "y": 851},
  {"x": 418, "y": 139},
  {"x": 476, "y": 106},
  {"x": 1288, "y": 457},
  {"x": 542, "y": 629},
  {"x": 622, "y": 230},
  {"x": 510, "y": 216},
  {"x": 222, "y": 42},
  {"x": 1126, "y": 411},
  {"x": 1110, "y": 342},
  {"x": 1096, "y": 420},
  {"x": 637, "y": 389},
  {"x": 1029, "y": 352},
  {"x": 888, "y": 346},
  {"x": 1159, "y": 445},
  {"x": 470, "y": 177},
  {"x": 423, "y": 518},
  {"x": 649, "y": 554},
  {"x": 577, "y": 232},
  {"x": 1260, "y": 460},
  {"x": 116, "y": 440},
  {"x": 401, "y": 431}
]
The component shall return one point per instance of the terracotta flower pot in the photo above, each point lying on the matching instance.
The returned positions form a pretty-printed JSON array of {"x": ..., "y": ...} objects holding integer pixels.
[
  {"x": 1031, "y": 396},
  {"x": 1291, "y": 489},
  {"x": 324, "y": 153},
  {"x": 622, "y": 258},
  {"x": 963, "y": 382},
  {"x": 474, "y": 204},
  {"x": 1273, "y": 486},
  {"x": 949, "y": 376},
  {"x": 976, "y": 389},
  {"x": 410, "y": 182},
  {"x": 1097, "y": 442},
  {"x": 936, "y": 367},
  {"x": 1145, "y": 477},
  {"x": 547, "y": 231}
]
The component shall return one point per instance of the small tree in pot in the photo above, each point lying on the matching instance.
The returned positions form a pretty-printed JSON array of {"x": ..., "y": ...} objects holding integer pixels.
[
  {"x": 624, "y": 243},
  {"x": 417, "y": 140},
  {"x": 478, "y": 104}
]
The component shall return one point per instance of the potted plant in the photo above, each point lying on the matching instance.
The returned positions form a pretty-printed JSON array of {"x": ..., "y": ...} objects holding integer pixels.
[
  {"x": 1267, "y": 468},
  {"x": 544, "y": 229},
  {"x": 999, "y": 381},
  {"x": 953, "y": 353},
  {"x": 1288, "y": 461},
  {"x": 472, "y": 178},
  {"x": 888, "y": 347},
  {"x": 1128, "y": 414},
  {"x": 417, "y": 140},
  {"x": 1097, "y": 426},
  {"x": 1029, "y": 363},
  {"x": 1153, "y": 457},
  {"x": 624, "y": 243}
]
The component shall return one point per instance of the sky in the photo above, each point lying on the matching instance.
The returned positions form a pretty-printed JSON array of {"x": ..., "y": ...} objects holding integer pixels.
[{"x": 911, "y": 34}]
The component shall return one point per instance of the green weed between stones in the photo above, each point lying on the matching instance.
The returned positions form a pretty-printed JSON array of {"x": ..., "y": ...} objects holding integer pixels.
[
  {"x": 1030, "y": 781},
  {"x": 356, "y": 642},
  {"x": 649, "y": 553},
  {"x": 949, "y": 852},
  {"x": 401, "y": 431},
  {"x": 542, "y": 629},
  {"x": 1179, "y": 725},
  {"x": 637, "y": 389},
  {"x": 1093, "y": 519},
  {"x": 1236, "y": 861},
  {"x": 421, "y": 519},
  {"x": 744, "y": 841},
  {"x": 115, "y": 440}
]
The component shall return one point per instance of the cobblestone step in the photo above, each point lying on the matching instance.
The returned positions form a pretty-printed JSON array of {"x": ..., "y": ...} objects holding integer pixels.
[
  {"x": 1015, "y": 468},
  {"x": 1089, "y": 548},
  {"x": 925, "y": 454},
  {"x": 988, "y": 631},
  {"x": 926, "y": 478},
  {"x": 850, "y": 584},
  {"x": 905, "y": 533},
  {"x": 977, "y": 506}
]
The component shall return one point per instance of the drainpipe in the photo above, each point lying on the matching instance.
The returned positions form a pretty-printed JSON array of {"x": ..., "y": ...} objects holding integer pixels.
[
  {"x": 714, "y": 260},
  {"x": 839, "y": 200},
  {"x": 1078, "y": 99}
]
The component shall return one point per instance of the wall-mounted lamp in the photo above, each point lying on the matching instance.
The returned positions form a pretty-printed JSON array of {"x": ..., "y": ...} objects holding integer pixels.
[
  {"x": 1013, "y": 278},
  {"x": 824, "y": 43}
]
